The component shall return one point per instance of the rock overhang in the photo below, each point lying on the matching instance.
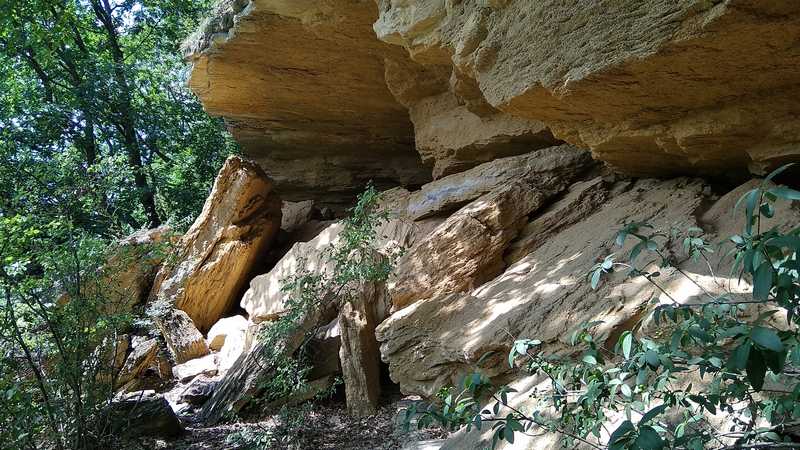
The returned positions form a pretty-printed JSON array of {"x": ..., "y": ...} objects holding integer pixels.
[{"x": 326, "y": 95}]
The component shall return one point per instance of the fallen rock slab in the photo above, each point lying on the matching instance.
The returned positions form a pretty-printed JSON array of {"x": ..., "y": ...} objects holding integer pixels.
[
  {"x": 582, "y": 199},
  {"x": 215, "y": 257},
  {"x": 184, "y": 341},
  {"x": 551, "y": 169},
  {"x": 466, "y": 249},
  {"x": 207, "y": 365}
]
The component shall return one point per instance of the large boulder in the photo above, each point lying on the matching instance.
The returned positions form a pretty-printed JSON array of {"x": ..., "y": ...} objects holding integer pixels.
[
  {"x": 215, "y": 257},
  {"x": 143, "y": 354},
  {"x": 143, "y": 413},
  {"x": 435, "y": 341},
  {"x": 228, "y": 326},
  {"x": 467, "y": 248},
  {"x": 619, "y": 77}
]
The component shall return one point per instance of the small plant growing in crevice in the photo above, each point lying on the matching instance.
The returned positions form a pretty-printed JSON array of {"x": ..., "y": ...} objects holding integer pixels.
[
  {"x": 645, "y": 382},
  {"x": 350, "y": 261}
]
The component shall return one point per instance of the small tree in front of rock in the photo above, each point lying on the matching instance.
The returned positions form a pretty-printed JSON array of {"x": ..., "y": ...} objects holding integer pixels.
[
  {"x": 347, "y": 264},
  {"x": 745, "y": 360}
]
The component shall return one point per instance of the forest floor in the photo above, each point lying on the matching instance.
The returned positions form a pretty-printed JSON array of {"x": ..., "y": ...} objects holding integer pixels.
[{"x": 325, "y": 427}]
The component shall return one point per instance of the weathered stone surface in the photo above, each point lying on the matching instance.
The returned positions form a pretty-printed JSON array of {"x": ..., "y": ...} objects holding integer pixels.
[
  {"x": 622, "y": 77},
  {"x": 544, "y": 295},
  {"x": 580, "y": 201},
  {"x": 231, "y": 350},
  {"x": 143, "y": 413},
  {"x": 138, "y": 360},
  {"x": 296, "y": 214},
  {"x": 199, "y": 390},
  {"x": 302, "y": 87},
  {"x": 453, "y": 132},
  {"x": 264, "y": 300},
  {"x": 216, "y": 255},
  {"x": 551, "y": 168},
  {"x": 467, "y": 248},
  {"x": 217, "y": 335},
  {"x": 323, "y": 351},
  {"x": 359, "y": 354},
  {"x": 184, "y": 340},
  {"x": 206, "y": 365}
]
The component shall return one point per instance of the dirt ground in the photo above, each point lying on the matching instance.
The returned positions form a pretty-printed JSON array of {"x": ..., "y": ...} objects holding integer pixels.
[{"x": 326, "y": 427}]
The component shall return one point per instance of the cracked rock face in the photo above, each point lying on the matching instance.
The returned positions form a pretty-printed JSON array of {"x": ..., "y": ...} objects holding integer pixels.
[{"x": 653, "y": 88}]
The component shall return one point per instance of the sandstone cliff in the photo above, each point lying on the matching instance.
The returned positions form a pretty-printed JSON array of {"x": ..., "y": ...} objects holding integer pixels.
[{"x": 512, "y": 139}]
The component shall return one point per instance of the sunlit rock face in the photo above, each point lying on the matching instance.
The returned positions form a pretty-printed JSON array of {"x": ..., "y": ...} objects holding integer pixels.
[
  {"x": 301, "y": 86},
  {"x": 654, "y": 88}
]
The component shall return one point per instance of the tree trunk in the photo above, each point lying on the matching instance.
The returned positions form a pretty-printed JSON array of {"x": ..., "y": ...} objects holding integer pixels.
[{"x": 126, "y": 119}]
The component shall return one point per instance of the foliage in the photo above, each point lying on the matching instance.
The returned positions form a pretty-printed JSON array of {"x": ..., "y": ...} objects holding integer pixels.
[
  {"x": 93, "y": 105},
  {"x": 661, "y": 383},
  {"x": 57, "y": 369}
]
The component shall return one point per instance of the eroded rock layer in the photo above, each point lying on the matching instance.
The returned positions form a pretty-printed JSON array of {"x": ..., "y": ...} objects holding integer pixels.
[
  {"x": 653, "y": 87},
  {"x": 301, "y": 84}
]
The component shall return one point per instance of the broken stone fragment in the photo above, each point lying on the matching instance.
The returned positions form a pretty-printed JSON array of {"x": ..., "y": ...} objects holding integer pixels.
[
  {"x": 184, "y": 341},
  {"x": 206, "y": 365},
  {"x": 296, "y": 214},
  {"x": 143, "y": 354},
  {"x": 218, "y": 333},
  {"x": 199, "y": 390},
  {"x": 216, "y": 255}
]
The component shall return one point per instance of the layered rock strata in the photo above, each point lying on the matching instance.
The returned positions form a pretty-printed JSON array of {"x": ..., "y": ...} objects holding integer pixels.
[
  {"x": 653, "y": 88},
  {"x": 316, "y": 112}
]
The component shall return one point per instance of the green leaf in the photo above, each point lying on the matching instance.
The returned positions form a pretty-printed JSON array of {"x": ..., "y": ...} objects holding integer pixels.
[
  {"x": 648, "y": 439},
  {"x": 762, "y": 281},
  {"x": 756, "y": 369},
  {"x": 626, "y": 390},
  {"x": 777, "y": 171},
  {"x": 627, "y": 344},
  {"x": 619, "y": 436},
  {"x": 739, "y": 357},
  {"x": 650, "y": 415},
  {"x": 596, "y": 278},
  {"x": 785, "y": 193},
  {"x": 766, "y": 338},
  {"x": 775, "y": 360}
]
